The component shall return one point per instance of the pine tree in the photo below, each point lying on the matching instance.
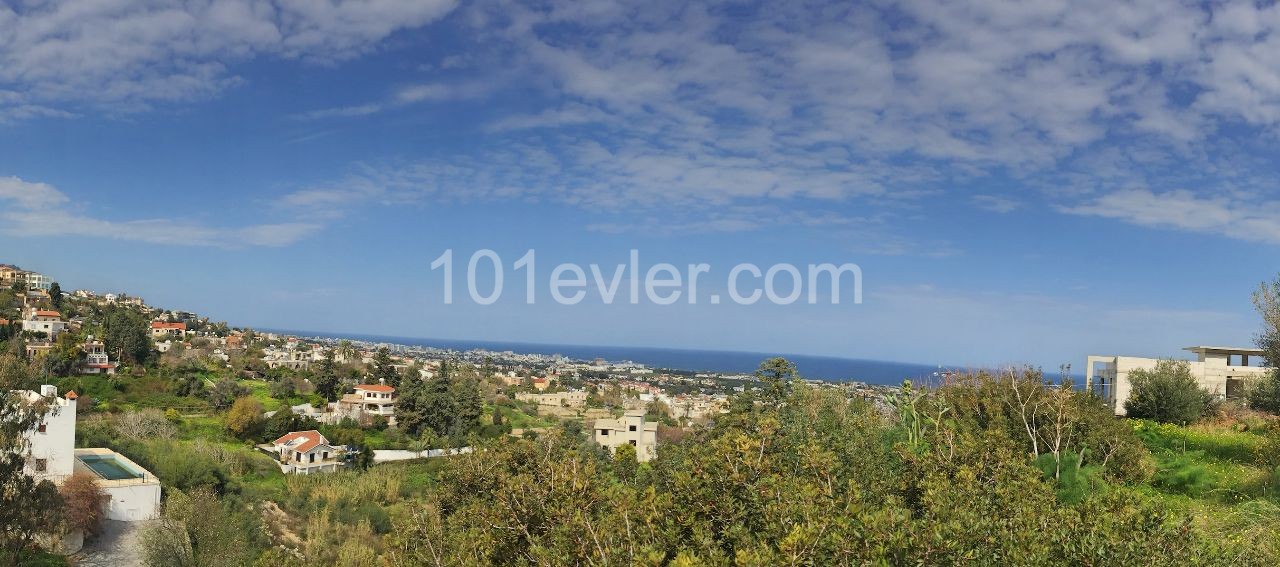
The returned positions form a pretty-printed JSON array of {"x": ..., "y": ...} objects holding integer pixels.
[
  {"x": 384, "y": 370},
  {"x": 326, "y": 378}
]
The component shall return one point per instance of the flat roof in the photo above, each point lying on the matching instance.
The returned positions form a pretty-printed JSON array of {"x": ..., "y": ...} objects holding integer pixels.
[{"x": 1222, "y": 349}]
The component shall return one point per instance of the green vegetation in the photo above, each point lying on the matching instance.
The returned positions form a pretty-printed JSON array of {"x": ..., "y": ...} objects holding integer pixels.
[{"x": 1167, "y": 394}]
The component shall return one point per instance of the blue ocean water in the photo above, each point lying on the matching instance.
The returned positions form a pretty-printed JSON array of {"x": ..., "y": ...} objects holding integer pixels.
[{"x": 819, "y": 367}]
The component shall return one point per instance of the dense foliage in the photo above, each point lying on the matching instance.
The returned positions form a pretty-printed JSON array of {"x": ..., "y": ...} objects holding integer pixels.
[
  {"x": 1168, "y": 394},
  {"x": 803, "y": 476}
]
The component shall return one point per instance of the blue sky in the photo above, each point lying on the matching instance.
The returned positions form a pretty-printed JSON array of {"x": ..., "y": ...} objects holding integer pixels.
[{"x": 1019, "y": 182}]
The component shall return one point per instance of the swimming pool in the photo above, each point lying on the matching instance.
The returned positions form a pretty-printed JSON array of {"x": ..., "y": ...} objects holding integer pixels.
[{"x": 109, "y": 467}]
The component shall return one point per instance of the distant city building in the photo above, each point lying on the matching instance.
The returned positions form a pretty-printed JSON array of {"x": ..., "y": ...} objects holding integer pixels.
[
  {"x": 631, "y": 429},
  {"x": 1222, "y": 371}
]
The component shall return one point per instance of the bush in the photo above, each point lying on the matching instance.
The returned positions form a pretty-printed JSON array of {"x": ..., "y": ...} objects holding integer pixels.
[
  {"x": 84, "y": 503},
  {"x": 1168, "y": 394},
  {"x": 1264, "y": 394}
]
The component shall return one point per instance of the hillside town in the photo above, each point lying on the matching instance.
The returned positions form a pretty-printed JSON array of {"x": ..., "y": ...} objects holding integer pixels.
[{"x": 111, "y": 369}]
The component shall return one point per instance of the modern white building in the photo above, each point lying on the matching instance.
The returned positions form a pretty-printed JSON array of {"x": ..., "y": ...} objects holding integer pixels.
[
  {"x": 134, "y": 493},
  {"x": 38, "y": 281},
  {"x": 1222, "y": 371},
  {"x": 632, "y": 430}
]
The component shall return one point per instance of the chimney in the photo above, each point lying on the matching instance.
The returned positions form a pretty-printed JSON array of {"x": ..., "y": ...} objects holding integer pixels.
[
  {"x": 49, "y": 391},
  {"x": 382, "y": 381}
]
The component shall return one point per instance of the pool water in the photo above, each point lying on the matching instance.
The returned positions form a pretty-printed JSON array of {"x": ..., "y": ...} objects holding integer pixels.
[{"x": 108, "y": 467}]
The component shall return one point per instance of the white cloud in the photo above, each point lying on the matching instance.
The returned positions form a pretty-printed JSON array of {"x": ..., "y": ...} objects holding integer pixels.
[
  {"x": 131, "y": 54},
  {"x": 1244, "y": 219},
  {"x": 30, "y": 209}
]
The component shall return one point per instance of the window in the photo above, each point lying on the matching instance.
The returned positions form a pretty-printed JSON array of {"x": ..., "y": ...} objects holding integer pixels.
[
  {"x": 604, "y": 432},
  {"x": 633, "y": 442},
  {"x": 631, "y": 428},
  {"x": 41, "y": 465},
  {"x": 42, "y": 428}
]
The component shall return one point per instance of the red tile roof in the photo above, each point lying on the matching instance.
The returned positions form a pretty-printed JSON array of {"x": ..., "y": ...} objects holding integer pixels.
[
  {"x": 72, "y": 395},
  {"x": 48, "y": 314},
  {"x": 375, "y": 388},
  {"x": 310, "y": 439},
  {"x": 168, "y": 326}
]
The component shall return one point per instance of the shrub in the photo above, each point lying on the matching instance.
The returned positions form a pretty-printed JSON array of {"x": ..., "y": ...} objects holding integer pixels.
[
  {"x": 1264, "y": 394},
  {"x": 1168, "y": 394},
  {"x": 245, "y": 418},
  {"x": 84, "y": 503}
]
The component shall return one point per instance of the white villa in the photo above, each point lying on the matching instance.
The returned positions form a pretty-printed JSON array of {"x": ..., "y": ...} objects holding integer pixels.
[
  {"x": 48, "y": 322},
  {"x": 96, "y": 360},
  {"x": 1223, "y": 371},
  {"x": 306, "y": 452},
  {"x": 134, "y": 492},
  {"x": 630, "y": 429},
  {"x": 369, "y": 400}
]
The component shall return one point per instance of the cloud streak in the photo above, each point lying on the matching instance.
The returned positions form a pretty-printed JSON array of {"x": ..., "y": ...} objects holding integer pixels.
[
  {"x": 126, "y": 55},
  {"x": 31, "y": 209}
]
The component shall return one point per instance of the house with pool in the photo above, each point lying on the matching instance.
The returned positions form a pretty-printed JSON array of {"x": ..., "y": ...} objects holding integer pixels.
[{"x": 52, "y": 455}]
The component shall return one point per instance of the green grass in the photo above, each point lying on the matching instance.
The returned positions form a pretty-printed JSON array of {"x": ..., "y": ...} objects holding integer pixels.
[{"x": 1210, "y": 463}]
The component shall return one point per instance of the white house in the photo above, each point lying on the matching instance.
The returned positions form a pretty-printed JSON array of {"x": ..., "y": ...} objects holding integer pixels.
[
  {"x": 630, "y": 430},
  {"x": 51, "y": 444},
  {"x": 369, "y": 400},
  {"x": 306, "y": 452},
  {"x": 134, "y": 493},
  {"x": 48, "y": 322},
  {"x": 1222, "y": 371},
  {"x": 162, "y": 329},
  {"x": 96, "y": 360}
]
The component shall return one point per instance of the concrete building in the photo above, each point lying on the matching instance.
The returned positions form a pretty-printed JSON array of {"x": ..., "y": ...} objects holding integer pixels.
[
  {"x": 630, "y": 429},
  {"x": 556, "y": 399},
  {"x": 1222, "y": 371}
]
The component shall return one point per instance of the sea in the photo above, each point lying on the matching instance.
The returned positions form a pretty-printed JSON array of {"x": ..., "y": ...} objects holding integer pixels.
[{"x": 729, "y": 362}]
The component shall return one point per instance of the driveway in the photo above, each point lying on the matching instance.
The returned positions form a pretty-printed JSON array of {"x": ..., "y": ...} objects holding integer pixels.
[{"x": 119, "y": 545}]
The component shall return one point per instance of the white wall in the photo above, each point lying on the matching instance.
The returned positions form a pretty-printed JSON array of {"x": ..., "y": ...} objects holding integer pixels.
[{"x": 133, "y": 503}]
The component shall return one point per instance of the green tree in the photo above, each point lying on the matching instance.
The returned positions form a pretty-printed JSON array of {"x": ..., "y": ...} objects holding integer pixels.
[
  {"x": 468, "y": 406},
  {"x": 384, "y": 370},
  {"x": 326, "y": 379},
  {"x": 124, "y": 334},
  {"x": 1168, "y": 394},
  {"x": 224, "y": 393},
  {"x": 1264, "y": 394},
  {"x": 55, "y": 295},
  {"x": 244, "y": 420}
]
